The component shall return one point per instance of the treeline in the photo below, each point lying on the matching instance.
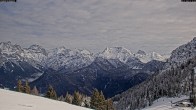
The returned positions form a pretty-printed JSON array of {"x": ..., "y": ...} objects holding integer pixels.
[
  {"x": 172, "y": 82},
  {"x": 96, "y": 101}
]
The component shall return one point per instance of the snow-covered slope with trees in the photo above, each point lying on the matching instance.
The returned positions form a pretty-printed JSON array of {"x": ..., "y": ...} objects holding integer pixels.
[
  {"x": 184, "y": 52},
  {"x": 165, "y": 103},
  {"x": 172, "y": 81},
  {"x": 10, "y": 100}
]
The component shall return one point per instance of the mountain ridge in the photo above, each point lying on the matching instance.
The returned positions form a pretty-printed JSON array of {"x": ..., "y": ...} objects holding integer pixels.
[
  {"x": 75, "y": 69},
  {"x": 63, "y": 58}
]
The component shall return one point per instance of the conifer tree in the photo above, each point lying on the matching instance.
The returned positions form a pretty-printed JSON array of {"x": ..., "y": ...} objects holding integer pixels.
[
  {"x": 51, "y": 93},
  {"x": 102, "y": 101},
  {"x": 68, "y": 98},
  {"x": 35, "y": 91},
  {"x": 109, "y": 104},
  {"x": 19, "y": 86},
  {"x": 27, "y": 88},
  {"x": 77, "y": 98},
  {"x": 98, "y": 101},
  {"x": 94, "y": 99}
]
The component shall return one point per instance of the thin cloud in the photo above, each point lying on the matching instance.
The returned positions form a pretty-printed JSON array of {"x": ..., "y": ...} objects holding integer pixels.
[{"x": 152, "y": 25}]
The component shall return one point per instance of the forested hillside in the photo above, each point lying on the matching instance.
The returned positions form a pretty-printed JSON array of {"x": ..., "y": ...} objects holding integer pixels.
[{"x": 173, "y": 80}]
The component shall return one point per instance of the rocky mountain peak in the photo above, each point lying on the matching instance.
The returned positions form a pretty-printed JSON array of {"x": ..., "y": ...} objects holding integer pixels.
[
  {"x": 141, "y": 52},
  {"x": 116, "y": 53},
  {"x": 37, "y": 49},
  {"x": 4, "y": 45}
]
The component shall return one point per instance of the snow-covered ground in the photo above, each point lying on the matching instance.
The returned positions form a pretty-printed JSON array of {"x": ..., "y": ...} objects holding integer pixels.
[
  {"x": 10, "y": 100},
  {"x": 165, "y": 104}
]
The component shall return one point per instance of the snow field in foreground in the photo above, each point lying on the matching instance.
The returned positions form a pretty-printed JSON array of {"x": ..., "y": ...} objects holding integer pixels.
[{"x": 10, "y": 100}]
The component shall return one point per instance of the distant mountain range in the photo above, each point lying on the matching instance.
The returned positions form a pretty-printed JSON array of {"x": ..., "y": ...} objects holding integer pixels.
[{"x": 113, "y": 71}]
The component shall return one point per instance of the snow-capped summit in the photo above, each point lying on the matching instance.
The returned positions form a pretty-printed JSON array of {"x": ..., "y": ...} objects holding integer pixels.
[
  {"x": 157, "y": 56},
  {"x": 58, "y": 51},
  {"x": 14, "y": 53},
  {"x": 9, "y": 49},
  {"x": 5, "y": 44},
  {"x": 119, "y": 53},
  {"x": 61, "y": 57},
  {"x": 85, "y": 52},
  {"x": 149, "y": 57},
  {"x": 124, "y": 54},
  {"x": 36, "y": 53}
]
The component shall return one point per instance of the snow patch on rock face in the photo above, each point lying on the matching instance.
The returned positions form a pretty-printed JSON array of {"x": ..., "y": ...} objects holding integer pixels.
[
  {"x": 124, "y": 54},
  {"x": 9, "y": 49},
  {"x": 119, "y": 53},
  {"x": 36, "y": 52},
  {"x": 149, "y": 57},
  {"x": 86, "y": 52},
  {"x": 69, "y": 59},
  {"x": 12, "y": 51}
]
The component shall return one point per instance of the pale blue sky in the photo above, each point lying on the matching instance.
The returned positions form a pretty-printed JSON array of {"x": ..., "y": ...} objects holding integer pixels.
[{"x": 150, "y": 25}]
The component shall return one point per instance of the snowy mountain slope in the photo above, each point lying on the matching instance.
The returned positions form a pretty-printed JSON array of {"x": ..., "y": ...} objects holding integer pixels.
[
  {"x": 115, "y": 66},
  {"x": 164, "y": 103},
  {"x": 100, "y": 74},
  {"x": 36, "y": 53},
  {"x": 20, "y": 63},
  {"x": 62, "y": 58},
  {"x": 184, "y": 52},
  {"x": 15, "y": 53},
  {"x": 11, "y": 72},
  {"x": 175, "y": 72},
  {"x": 170, "y": 83},
  {"x": 29, "y": 102}
]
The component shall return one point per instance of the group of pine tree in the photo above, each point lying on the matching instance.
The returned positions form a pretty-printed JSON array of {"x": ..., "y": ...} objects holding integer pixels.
[
  {"x": 26, "y": 88},
  {"x": 96, "y": 101}
]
